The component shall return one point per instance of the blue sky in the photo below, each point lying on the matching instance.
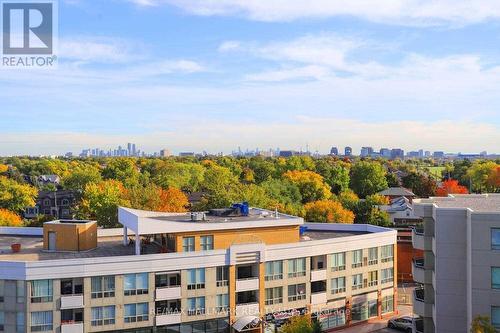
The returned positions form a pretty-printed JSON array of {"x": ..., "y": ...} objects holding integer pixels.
[{"x": 215, "y": 75}]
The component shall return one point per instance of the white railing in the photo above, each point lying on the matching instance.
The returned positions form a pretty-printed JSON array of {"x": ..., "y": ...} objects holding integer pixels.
[
  {"x": 164, "y": 293},
  {"x": 247, "y": 309},
  {"x": 247, "y": 284},
  {"x": 318, "y": 298},
  {"x": 418, "y": 240},
  {"x": 318, "y": 275},
  {"x": 71, "y": 301},
  {"x": 168, "y": 319},
  {"x": 72, "y": 328}
]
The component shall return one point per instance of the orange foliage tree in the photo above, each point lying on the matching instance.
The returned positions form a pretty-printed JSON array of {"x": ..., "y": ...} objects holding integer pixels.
[
  {"x": 494, "y": 178},
  {"x": 172, "y": 200},
  {"x": 450, "y": 186},
  {"x": 9, "y": 219},
  {"x": 327, "y": 211}
]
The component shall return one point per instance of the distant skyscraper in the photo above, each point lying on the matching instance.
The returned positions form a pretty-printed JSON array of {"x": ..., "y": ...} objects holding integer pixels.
[
  {"x": 385, "y": 152},
  {"x": 366, "y": 151},
  {"x": 165, "y": 153},
  {"x": 348, "y": 151},
  {"x": 397, "y": 153},
  {"x": 334, "y": 151}
]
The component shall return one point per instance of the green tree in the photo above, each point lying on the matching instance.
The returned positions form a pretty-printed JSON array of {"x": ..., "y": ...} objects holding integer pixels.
[
  {"x": 479, "y": 174},
  {"x": 15, "y": 196},
  {"x": 123, "y": 170},
  {"x": 186, "y": 176},
  {"x": 298, "y": 324},
  {"x": 367, "y": 211},
  {"x": 348, "y": 199},
  {"x": 482, "y": 324},
  {"x": 392, "y": 180},
  {"x": 367, "y": 177},
  {"x": 335, "y": 173},
  {"x": 264, "y": 169},
  {"x": 80, "y": 176},
  {"x": 101, "y": 201},
  {"x": 422, "y": 185},
  {"x": 311, "y": 185}
]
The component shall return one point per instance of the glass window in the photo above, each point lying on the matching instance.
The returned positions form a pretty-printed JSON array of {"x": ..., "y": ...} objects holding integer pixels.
[
  {"x": 359, "y": 312},
  {"x": 387, "y": 275},
  {"x": 387, "y": 253},
  {"x": 372, "y": 256},
  {"x": 103, "y": 286},
  {"x": 357, "y": 281},
  {"x": 136, "y": 284},
  {"x": 338, "y": 261},
  {"x": 196, "y": 306},
  {"x": 372, "y": 308},
  {"x": 296, "y": 267},
  {"x": 495, "y": 277},
  {"x": 222, "y": 276},
  {"x": 372, "y": 278},
  {"x": 274, "y": 295},
  {"x": 20, "y": 322},
  {"x": 296, "y": 292},
  {"x": 274, "y": 270},
  {"x": 20, "y": 291},
  {"x": 222, "y": 302},
  {"x": 387, "y": 304},
  {"x": 333, "y": 318},
  {"x": 357, "y": 258},
  {"x": 188, "y": 244},
  {"x": 495, "y": 316},
  {"x": 41, "y": 321},
  {"x": 103, "y": 315},
  {"x": 41, "y": 291},
  {"x": 136, "y": 312},
  {"x": 495, "y": 238},
  {"x": 196, "y": 278},
  {"x": 338, "y": 285},
  {"x": 207, "y": 243}
]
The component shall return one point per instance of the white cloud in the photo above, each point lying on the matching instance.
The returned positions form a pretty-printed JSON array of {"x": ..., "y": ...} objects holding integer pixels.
[
  {"x": 97, "y": 49},
  {"x": 306, "y": 72},
  {"x": 230, "y": 45},
  {"x": 404, "y": 12}
]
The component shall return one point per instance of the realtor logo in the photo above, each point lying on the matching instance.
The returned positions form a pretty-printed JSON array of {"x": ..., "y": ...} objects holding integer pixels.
[{"x": 29, "y": 28}]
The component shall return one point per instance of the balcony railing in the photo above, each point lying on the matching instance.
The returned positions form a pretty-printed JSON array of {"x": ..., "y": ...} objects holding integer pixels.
[
  {"x": 418, "y": 271},
  {"x": 247, "y": 309},
  {"x": 168, "y": 319},
  {"x": 419, "y": 306},
  {"x": 318, "y": 298},
  {"x": 247, "y": 284},
  {"x": 318, "y": 275},
  {"x": 72, "y": 327},
  {"x": 165, "y": 293},
  {"x": 71, "y": 301},
  {"x": 418, "y": 240}
]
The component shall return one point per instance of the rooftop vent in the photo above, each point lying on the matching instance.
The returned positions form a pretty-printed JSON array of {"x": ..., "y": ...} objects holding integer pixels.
[
  {"x": 198, "y": 216},
  {"x": 236, "y": 209}
]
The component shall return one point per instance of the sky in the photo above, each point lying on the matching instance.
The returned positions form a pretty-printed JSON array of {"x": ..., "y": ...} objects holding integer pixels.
[{"x": 215, "y": 75}]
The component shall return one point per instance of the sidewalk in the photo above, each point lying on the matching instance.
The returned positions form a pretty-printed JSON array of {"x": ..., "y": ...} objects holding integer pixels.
[{"x": 377, "y": 324}]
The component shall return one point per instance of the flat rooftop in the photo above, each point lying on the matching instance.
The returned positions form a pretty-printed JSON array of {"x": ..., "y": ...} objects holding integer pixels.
[
  {"x": 477, "y": 202},
  {"x": 253, "y": 214},
  {"x": 319, "y": 235}
]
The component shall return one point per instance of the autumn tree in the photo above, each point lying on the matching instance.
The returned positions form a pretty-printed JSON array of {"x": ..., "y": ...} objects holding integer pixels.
[
  {"x": 101, "y": 201},
  {"x": 327, "y": 211},
  {"x": 80, "y": 176},
  {"x": 15, "y": 196},
  {"x": 367, "y": 210},
  {"x": 482, "y": 324},
  {"x": 298, "y": 324},
  {"x": 9, "y": 219},
  {"x": 3, "y": 169},
  {"x": 348, "y": 199},
  {"x": 155, "y": 198},
  {"x": 311, "y": 185},
  {"x": 450, "y": 186},
  {"x": 481, "y": 174},
  {"x": 367, "y": 178},
  {"x": 422, "y": 185}
]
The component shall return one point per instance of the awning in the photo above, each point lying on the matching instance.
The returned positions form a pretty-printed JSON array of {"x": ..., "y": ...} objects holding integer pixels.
[{"x": 246, "y": 322}]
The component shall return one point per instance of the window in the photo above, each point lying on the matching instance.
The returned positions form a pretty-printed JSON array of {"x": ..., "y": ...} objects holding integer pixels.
[
  {"x": 188, "y": 244},
  {"x": 334, "y": 318},
  {"x": 372, "y": 308},
  {"x": 196, "y": 306},
  {"x": 2, "y": 320},
  {"x": 372, "y": 256},
  {"x": 136, "y": 312},
  {"x": 338, "y": 261},
  {"x": 387, "y": 304},
  {"x": 41, "y": 321},
  {"x": 357, "y": 258},
  {"x": 206, "y": 243},
  {"x": 296, "y": 267},
  {"x": 196, "y": 278},
  {"x": 357, "y": 281},
  {"x": 41, "y": 291},
  {"x": 495, "y": 238},
  {"x": 296, "y": 292},
  {"x": 222, "y": 276},
  {"x": 495, "y": 316},
  {"x": 20, "y": 322},
  {"x": 103, "y": 315},
  {"x": 222, "y": 302},
  {"x": 338, "y": 285},
  {"x": 387, "y": 253},
  {"x": 103, "y": 286},
  {"x": 136, "y": 284},
  {"x": 387, "y": 275},
  {"x": 171, "y": 279},
  {"x": 274, "y": 295},
  {"x": 64, "y": 202},
  {"x": 359, "y": 312},
  {"x": 495, "y": 277},
  {"x": 274, "y": 270},
  {"x": 372, "y": 278}
]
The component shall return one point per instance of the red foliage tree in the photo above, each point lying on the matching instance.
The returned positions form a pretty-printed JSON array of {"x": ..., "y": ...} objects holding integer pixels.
[{"x": 450, "y": 186}]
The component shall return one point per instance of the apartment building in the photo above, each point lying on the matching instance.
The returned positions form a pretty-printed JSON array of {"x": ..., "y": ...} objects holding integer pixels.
[
  {"x": 228, "y": 270},
  {"x": 460, "y": 268}
]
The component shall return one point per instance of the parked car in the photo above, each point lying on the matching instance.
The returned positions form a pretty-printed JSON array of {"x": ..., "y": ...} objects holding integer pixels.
[{"x": 402, "y": 323}]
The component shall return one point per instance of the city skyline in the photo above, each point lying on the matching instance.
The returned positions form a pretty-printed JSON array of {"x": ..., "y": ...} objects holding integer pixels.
[{"x": 212, "y": 76}]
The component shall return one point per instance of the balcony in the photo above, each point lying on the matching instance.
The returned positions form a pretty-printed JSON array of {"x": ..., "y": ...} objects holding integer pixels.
[
  {"x": 71, "y": 301},
  {"x": 251, "y": 283},
  {"x": 247, "y": 309},
  {"x": 72, "y": 328},
  {"x": 318, "y": 298},
  {"x": 418, "y": 239},
  {"x": 166, "y": 293},
  {"x": 419, "y": 306},
  {"x": 168, "y": 319},
  {"x": 418, "y": 271},
  {"x": 318, "y": 275}
]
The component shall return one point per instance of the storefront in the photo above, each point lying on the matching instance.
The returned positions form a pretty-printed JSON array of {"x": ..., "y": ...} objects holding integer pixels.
[
  {"x": 274, "y": 321},
  {"x": 364, "y": 307},
  {"x": 332, "y": 317}
]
